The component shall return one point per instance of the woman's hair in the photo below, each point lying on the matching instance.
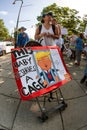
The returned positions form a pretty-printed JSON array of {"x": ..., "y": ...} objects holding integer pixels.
[
  {"x": 43, "y": 16},
  {"x": 42, "y": 21},
  {"x": 81, "y": 35}
]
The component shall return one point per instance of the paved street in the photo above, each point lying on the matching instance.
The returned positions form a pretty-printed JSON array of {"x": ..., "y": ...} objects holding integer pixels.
[{"x": 22, "y": 115}]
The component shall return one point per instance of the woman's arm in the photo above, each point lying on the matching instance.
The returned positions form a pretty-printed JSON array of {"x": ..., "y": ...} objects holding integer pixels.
[
  {"x": 59, "y": 29},
  {"x": 56, "y": 35}
]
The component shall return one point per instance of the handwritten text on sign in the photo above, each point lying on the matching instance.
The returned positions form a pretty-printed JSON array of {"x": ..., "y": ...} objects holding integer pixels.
[{"x": 38, "y": 71}]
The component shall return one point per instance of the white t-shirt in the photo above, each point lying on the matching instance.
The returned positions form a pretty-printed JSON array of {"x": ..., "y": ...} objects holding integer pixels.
[{"x": 47, "y": 41}]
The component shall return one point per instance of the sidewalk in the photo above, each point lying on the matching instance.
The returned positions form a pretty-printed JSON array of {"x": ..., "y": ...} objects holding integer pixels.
[{"x": 22, "y": 115}]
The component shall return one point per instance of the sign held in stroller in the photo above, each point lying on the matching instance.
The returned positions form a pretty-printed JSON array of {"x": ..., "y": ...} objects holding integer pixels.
[{"x": 39, "y": 71}]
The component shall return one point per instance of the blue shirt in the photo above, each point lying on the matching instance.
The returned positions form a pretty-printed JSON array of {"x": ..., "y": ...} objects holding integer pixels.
[
  {"x": 22, "y": 39},
  {"x": 79, "y": 44}
]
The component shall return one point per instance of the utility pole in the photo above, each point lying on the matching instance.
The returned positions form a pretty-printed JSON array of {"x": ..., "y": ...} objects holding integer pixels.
[{"x": 16, "y": 30}]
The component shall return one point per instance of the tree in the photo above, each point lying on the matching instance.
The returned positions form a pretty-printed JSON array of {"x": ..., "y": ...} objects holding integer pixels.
[
  {"x": 67, "y": 17},
  {"x": 84, "y": 21},
  {"x": 4, "y": 34}
]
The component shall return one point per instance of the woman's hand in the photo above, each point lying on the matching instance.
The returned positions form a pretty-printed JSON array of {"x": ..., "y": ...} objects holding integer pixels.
[
  {"x": 43, "y": 34},
  {"x": 49, "y": 35}
]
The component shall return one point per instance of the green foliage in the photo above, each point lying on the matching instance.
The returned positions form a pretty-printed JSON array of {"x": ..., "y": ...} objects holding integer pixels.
[
  {"x": 84, "y": 24},
  {"x": 4, "y": 34},
  {"x": 67, "y": 17}
]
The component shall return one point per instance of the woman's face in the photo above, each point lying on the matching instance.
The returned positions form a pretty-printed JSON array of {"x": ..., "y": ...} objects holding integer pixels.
[{"x": 47, "y": 18}]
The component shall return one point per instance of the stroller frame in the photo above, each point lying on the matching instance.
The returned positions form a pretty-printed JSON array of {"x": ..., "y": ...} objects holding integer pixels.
[{"x": 61, "y": 105}]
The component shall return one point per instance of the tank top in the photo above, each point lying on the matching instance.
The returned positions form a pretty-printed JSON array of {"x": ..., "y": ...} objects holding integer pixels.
[{"x": 47, "y": 41}]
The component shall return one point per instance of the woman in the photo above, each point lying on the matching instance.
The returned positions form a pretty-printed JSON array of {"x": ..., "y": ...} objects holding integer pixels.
[
  {"x": 54, "y": 22},
  {"x": 47, "y": 33},
  {"x": 59, "y": 41}
]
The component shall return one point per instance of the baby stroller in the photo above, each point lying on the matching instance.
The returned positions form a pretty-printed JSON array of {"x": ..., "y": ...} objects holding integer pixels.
[
  {"x": 61, "y": 105},
  {"x": 32, "y": 43}
]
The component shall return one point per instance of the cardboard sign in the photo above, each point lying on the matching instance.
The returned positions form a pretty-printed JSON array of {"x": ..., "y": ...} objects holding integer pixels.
[
  {"x": 38, "y": 70},
  {"x": 64, "y": 31}
]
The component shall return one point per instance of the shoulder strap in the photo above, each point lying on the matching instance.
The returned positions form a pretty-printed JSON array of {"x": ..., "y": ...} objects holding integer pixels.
[
  {"x": 53, "y": 27},
  {"x": 40, "y": 27}
]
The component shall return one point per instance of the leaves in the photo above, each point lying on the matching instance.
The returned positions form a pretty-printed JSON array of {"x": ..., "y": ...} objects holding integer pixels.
[
  {"x": 67, "y": 17},
  {"x": 4, "y": 34}
]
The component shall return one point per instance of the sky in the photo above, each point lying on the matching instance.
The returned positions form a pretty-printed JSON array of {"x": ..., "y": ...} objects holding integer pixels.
[{"x": 9, "y": 11}]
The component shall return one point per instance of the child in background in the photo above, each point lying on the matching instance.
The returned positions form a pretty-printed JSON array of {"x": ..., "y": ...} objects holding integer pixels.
[
  {"x": 67, "y": 50},
  {"x": 72, "y": 47}
]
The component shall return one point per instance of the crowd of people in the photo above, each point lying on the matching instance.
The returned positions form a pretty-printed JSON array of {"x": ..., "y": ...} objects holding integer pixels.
[{"x": 48, "y": 33}]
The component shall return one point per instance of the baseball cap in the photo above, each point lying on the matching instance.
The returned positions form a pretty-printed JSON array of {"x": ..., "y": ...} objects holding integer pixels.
[
  {"x": 45, "y": 14},
  {"x": 48, "y": 14},
  {"x": 51, "y": 14},
  {"x": 23, "y": 28}
]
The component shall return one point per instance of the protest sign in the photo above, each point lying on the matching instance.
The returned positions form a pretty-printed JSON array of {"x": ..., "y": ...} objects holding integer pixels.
[
  {"x": 64, "y": 31},
  {"x": 38, "y": 70}
]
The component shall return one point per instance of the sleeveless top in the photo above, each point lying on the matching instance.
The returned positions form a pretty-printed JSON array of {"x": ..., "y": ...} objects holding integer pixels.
[{"x": 47, "y": 41}]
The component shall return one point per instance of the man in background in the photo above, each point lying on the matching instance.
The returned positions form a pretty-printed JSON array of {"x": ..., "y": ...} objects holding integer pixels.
[{"x": 22, "y": 37}]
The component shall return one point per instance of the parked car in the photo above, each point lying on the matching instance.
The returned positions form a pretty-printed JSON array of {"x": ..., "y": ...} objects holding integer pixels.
[{"x": 6, "y": 47}]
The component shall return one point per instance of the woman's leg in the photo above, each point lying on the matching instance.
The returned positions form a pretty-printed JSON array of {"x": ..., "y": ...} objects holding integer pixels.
[{"x": 78, "y": 56}]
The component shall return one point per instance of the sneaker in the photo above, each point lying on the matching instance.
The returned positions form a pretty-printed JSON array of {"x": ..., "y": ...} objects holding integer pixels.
[
  {"x": 78, "y": 64},
  {"x": 83, "y": 79},
  {"x": 86, "y": 83}
]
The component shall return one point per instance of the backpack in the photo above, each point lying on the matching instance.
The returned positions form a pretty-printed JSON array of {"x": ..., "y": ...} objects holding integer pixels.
[{"x": 53, "y": 28}]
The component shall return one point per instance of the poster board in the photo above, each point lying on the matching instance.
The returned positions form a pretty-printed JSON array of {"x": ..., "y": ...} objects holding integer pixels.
[
  {"x": 64, "y": 31},
  {"x": 38, "y": 70}
]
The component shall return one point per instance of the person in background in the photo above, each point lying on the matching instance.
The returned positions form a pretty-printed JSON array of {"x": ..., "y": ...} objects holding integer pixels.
[
  {"x": 54, "y": 22},
  {"x": 72, "y": 46},
  {"x": 59, "y": 40},
  {"x": 84, "y": 76},
  {"x": 79, "y": 48},
  {"x": 85, "y": 70},
  {"x": 85, "y": 50},
  {"x": 22, "y": 37},
  {"x": 46, "y": 33}
]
